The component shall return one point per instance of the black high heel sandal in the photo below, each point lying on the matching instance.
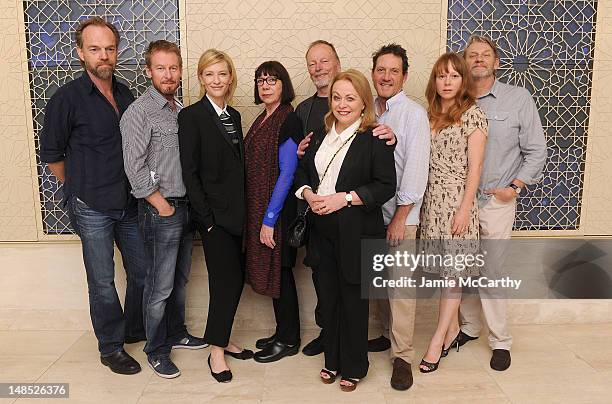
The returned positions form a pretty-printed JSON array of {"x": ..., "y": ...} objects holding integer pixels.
[
  {"x": 430, "y": 367},
  {"x": 455, "y": 343},
  {"x": 221, "y": 377}
]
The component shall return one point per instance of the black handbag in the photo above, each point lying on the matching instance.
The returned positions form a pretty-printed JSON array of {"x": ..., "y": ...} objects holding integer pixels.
[{"x": 298, "y": 229}]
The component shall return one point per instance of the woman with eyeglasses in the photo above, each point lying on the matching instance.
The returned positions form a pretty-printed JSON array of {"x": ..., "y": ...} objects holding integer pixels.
[
  {"x": 345, "y": 176},
  {"x": 211, "y": 150},
  {"x": 449, "y": 214},
  {"x": 270, "y": 163}
]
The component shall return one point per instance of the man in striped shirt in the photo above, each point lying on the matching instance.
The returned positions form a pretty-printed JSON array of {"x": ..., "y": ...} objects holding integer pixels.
[{"x": 149, "y": 130}]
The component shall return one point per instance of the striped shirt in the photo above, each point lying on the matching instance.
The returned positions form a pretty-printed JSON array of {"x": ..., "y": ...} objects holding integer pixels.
[{"x": 149, "y": 131}]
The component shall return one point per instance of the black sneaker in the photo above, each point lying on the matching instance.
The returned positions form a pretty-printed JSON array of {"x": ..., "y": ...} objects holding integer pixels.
[
  {"x": 163, "y": 366},
  {"x": 190, "y": 342}
]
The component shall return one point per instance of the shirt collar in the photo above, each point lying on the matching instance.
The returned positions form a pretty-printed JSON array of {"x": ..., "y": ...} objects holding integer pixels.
[
  {"x": 346, "y": 133},
  {"x": 160, "y": 100},
  {"x": 89, "y": 85},
  {"x": 218, "y": 110},
  {"x": 396, "y": 99},
  {"x": 494, "y": 91}
]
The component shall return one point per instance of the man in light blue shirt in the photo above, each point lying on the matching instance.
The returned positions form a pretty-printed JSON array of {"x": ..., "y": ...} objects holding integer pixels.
[
  {"x": 410, "y": 123},
  {"x": 514, "y": 157}
]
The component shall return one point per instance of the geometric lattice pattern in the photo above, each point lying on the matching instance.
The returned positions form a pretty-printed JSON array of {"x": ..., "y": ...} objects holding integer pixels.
[
  {"x": 546, "y": 47},
  {"x": 53, "y": 61}
]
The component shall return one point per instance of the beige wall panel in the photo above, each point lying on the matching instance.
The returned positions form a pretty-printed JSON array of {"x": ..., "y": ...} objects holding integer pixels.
[
  {"x": 255, "y": 31},
  {"x": 597, "y": 196},
  {"x": 17, "y": 203}
]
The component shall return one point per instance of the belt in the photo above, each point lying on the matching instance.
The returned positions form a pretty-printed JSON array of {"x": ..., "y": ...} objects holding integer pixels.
[{"x": 178, "y": 201}]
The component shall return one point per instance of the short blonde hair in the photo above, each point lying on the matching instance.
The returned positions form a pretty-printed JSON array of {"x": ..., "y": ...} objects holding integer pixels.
[
  {"x": 362, "y": 87},
  {"x": 214, "y": 56}
]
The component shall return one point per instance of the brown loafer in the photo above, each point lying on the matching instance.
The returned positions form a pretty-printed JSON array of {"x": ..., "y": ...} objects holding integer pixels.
[{"x": 401, "y": 379}]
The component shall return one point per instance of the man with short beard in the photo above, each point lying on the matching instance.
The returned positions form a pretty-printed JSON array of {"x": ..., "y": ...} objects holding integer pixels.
[
  {"x": 514, "y": 157},
  {"x": 323, "y": 64},
  {"x": 149, "y": 128},
  {"x": 81, "y": 144}
]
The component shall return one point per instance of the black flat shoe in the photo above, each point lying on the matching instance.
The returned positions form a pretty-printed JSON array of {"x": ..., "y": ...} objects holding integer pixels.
[
  {"x": 221, "y": 377},
  {"x": 314, "y": 347},
  {"x": 379, "y": 344},
  {"x": 121, "y": 362},
  {"x": 463, "y": 338},
  {"x": 265, "y": 342},
  {"x": 242, "y": 355},
  {"x": 454, "y": 343},
  {"x": 276, "y": 351},
  {"x": 430, "y": 367}
]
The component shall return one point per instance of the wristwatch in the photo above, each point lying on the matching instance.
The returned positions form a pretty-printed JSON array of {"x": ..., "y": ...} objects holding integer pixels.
[
  {"x": 349, "y": 199},
  {"x": 516, "y": 188}
]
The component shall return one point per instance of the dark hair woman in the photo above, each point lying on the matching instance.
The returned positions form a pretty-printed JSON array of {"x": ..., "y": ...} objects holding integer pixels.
[{"x": 270, "y": 163}]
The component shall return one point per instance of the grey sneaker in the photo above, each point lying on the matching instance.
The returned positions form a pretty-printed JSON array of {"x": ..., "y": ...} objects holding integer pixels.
[
  {"x": 190, "y": 342},
  {"x": 163, "y": 367}
]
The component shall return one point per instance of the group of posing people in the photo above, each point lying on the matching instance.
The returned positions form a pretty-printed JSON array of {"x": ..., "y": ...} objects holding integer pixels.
[{"x": 147, "y": 173}]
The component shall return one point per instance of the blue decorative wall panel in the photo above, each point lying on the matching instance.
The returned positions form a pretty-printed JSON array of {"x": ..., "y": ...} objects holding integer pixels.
[
  {"x": 53, "y": 61},
  {"x": 546, "y": 47}
]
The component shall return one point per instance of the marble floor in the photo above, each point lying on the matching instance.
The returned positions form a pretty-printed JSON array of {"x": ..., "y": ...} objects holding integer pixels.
[{"x": 565, "y": 363}]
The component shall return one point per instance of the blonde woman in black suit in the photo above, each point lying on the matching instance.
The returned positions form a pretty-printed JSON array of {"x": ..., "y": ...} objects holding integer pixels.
[
  {"x": 356, "y": 172},
  {"x": 212, "y": 159}
]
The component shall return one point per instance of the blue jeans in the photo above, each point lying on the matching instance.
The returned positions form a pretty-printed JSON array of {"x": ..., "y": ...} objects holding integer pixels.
[
  {"x": 168, "y": 243},
  {"x": 98, "y": 231}
]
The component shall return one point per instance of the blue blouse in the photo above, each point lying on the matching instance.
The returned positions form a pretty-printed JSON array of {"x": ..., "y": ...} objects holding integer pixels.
[{"x": 288, "y": 162}]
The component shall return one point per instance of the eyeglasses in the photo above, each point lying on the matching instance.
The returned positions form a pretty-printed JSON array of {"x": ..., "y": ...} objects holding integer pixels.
[{"x": 271, "y": 80}]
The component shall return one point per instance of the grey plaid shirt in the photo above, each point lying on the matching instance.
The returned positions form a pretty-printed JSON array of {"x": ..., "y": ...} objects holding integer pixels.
[{"x": 149, "y": 131}]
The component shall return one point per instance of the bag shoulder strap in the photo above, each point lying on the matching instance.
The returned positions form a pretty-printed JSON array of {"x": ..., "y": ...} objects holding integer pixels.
[{"x": 332, "y": 159}]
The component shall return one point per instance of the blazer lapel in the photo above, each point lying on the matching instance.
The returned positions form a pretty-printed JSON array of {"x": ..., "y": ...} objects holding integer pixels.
[
  {"x": 352, "y": 156},
  {"x": 316, "y": 141},
  {"x": 217, "y": 121}
]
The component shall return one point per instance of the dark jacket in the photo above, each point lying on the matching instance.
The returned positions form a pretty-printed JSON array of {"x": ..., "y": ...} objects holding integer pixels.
[
  {"x": 213, "y": 170},
  {"x": 369, "y": 170}
]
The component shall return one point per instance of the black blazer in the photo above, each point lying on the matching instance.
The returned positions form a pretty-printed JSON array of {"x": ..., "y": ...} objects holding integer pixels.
[
  {"x": 213, "y": 170},
  {"x": 369, "y": 170}
]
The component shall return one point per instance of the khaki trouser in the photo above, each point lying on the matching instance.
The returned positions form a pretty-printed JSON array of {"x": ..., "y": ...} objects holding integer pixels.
[
  {"x": 496, "y": 219},
  {"x": 397, "y": 314}
]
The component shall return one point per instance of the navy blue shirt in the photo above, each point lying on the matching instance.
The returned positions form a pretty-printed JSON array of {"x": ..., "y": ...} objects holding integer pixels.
[{"x": 81, "y": 128}]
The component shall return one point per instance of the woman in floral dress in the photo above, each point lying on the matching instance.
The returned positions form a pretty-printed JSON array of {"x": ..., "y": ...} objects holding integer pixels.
[{"x": 449, "y": 216}]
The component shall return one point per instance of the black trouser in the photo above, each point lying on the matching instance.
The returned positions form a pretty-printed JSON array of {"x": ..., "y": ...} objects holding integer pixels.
[
  {"x": 318, "y": 311},
  {"x": 286, "y": 309},
  {"x": 225, "y": 264},
  {"x": 345, "y": 313}
]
